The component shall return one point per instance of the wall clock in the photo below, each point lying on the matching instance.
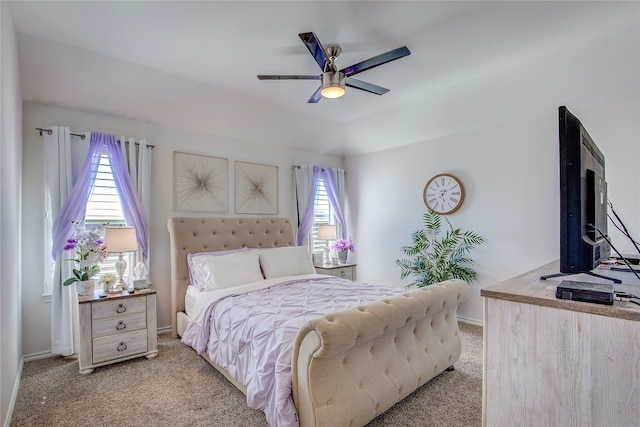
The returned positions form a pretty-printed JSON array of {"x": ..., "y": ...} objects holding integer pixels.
[{"x": 443, "y": 194}]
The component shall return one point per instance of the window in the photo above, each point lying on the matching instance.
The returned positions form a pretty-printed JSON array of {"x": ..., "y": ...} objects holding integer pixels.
[
  {"x": 323, "y": 214},
  {"x": 103, "y": 208}
]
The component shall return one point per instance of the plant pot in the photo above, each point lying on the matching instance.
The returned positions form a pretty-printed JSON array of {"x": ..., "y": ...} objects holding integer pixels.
[
  {"x": 86, "y": 287},
  {"x": 342, "y": 256}
]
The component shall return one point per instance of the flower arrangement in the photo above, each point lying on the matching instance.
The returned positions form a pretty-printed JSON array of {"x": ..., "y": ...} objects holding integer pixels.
[
  {"x": 343, "y": 245},
  {"x": 89, "y": 252},
  {"x": 108, "y": 279}
]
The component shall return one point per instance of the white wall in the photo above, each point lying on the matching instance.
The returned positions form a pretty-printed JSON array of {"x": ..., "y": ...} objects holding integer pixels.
[
  {"x": 36, "y": 331},
  {"x": 10, "y": 208},
  {"x": 510, "y": 174}
]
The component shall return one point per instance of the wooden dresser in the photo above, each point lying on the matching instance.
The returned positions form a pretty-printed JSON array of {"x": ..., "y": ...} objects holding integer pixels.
[
  {"x": 116, "y": 328},
  {"x": 554, "y": 362}
]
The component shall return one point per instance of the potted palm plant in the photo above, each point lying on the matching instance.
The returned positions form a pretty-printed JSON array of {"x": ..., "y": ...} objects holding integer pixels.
[{"x": 436, "y": 255}]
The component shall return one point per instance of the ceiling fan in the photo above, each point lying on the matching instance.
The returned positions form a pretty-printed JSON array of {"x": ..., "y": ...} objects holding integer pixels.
[{"x": 332, "y": 80}]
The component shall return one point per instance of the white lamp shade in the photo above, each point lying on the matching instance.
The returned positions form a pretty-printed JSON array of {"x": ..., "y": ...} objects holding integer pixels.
[
  {"x": 326, "y": 232},
  {"x": 120, "y": 239}
]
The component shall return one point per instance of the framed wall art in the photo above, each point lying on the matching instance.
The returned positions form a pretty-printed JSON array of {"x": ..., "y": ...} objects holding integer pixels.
[
  {"x": 200, "y": 183},
  {"x": 256, "y": 188}
]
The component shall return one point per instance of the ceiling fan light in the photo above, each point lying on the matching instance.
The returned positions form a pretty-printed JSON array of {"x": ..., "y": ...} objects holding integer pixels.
[
  {"x": 332, "y": 84},
  {"x": 332, "y": 92}
]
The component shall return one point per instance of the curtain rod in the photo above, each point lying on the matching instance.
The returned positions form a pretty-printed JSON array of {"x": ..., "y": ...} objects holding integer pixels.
[
  {"x": 49, "y": 131},
  {"x": 81, "y": 135},
  {"x": 298, "y": 167}
]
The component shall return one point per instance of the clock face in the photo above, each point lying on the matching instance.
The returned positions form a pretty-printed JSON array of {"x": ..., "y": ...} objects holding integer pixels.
[{"x": 443, "y": 194}]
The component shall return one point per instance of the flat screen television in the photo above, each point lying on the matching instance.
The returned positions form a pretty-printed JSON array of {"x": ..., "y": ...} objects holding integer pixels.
[{"x": 584, "y": 241}]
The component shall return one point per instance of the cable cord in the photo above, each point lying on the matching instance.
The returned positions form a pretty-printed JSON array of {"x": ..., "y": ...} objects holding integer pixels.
[
  {"x": 614, "y": 248},
  {"x": 624, "y": 230}
]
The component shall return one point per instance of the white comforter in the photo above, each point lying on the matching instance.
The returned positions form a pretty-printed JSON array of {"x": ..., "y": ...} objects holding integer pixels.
[{"x": 250, "y": 331}]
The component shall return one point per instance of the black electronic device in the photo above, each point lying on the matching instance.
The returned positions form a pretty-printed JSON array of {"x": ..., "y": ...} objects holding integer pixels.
[
  {"x": 599, "y": 293},
  {"x": 583, "y": 200}
]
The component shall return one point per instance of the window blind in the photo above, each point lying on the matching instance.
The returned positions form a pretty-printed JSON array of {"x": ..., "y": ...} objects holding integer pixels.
[{"x": 322, "y": 215}]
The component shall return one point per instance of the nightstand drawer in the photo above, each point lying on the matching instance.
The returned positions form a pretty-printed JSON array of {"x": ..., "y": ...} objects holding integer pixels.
[
  {"x": 345, "y": 273},
  {"x": 119, "y": 346},
  {"x": 119, "y": 307},
  {"x": 119, "y": 325}
]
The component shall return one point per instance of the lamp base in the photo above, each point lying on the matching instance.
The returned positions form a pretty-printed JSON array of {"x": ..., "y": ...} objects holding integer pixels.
[
  {"x": 121, "y": 267},
  {"x": 326, "y": 259}
]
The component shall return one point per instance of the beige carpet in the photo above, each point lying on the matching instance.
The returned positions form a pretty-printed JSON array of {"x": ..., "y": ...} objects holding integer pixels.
[{"x": 178, "y": 388}]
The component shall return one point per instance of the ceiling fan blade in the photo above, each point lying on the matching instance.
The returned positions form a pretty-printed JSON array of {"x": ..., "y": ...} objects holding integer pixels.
[
  {"x": 317, "y": 96},
  {"x": 367, "y": 87},
  {"x": 285, "y": 77},
  {"x": 312, "y": 43},
  {"x": 383, "y": 58}
]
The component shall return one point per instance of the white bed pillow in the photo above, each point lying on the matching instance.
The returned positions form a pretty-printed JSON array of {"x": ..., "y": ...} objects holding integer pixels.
[
  {"x": 194, "y": 272},
  {"x": 286, "y": 261},
  {"x": 215, "y": 272}
]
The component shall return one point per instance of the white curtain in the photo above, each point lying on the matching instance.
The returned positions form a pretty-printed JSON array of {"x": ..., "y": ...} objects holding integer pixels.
[
  {"x": 139, "y": 159},
  {"x": 302, "y": 182},
  {"x": 64, "y": 299}
]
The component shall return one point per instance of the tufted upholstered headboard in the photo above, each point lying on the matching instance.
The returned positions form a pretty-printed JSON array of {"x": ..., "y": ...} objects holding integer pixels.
[{"x": 209, "y": 234}]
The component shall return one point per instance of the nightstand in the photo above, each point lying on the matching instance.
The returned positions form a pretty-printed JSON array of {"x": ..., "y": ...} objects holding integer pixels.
[
  {"x": 116, "y": 328},
  {"x": 346, "y": 271}
]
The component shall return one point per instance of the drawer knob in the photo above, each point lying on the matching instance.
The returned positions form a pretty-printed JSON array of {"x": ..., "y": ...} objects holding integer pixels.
[
  {"x": 121, "y": 308},
  {"x": 342, "y": 273},
  {"x": 121, "y": 325},
  {"x": 122, "y": 346}
]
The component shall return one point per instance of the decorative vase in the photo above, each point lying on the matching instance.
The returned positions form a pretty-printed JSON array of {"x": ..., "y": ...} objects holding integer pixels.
[
  {"x": 342, "y": 255},
  {"x": 114, "y": 287},
  {"x": 85, "y": 287}
]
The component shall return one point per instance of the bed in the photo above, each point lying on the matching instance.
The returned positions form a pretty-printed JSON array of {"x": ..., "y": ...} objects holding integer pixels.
[{"x": 346, "y": 367}]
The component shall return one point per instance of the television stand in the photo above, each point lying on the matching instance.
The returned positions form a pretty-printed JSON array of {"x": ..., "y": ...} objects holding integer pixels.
[
  {"x": 590, "y": 273},
  {"x": 571, "y": 343}
]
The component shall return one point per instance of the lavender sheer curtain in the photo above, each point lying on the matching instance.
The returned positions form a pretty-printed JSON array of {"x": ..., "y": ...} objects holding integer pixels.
[
  {"x": 138, "y": 158},
  {"x": 331, "y": 186},
  {"x": 132, "y": 208},
  {"x": 75, "y": 207},
  {"x": 307, "y": 218}
]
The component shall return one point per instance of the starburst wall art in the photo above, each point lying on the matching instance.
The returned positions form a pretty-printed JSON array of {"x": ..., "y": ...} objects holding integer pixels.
[
  {"x": 201, "y": 183},
  {"x": 256, "y": 188}
]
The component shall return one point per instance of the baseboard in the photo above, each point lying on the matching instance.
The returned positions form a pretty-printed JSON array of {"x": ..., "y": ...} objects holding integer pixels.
[
  {"x": 14, "y": 395},
  {"x": 36, "y": 356},
  {"x": 164, "y": 330},
  {"x": 470, "y": 321}
]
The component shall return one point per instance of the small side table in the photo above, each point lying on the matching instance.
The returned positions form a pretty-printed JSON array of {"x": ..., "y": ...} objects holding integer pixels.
[
  {"x": 346, "y": 271},
  {"x": 116, "y": 328}
]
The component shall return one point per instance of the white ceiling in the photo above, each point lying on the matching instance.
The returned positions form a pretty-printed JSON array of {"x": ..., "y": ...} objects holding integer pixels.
[{"x": 471, "y": 64}]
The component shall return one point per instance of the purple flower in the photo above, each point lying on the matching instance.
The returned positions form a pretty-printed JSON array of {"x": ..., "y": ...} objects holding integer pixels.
[
  {"x": 89, "y": 251},
  {"x": 343, "y": 245}
]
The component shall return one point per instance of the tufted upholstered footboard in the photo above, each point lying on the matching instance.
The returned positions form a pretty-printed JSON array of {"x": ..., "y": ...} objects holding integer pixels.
[{"x": 350, "y": 366}]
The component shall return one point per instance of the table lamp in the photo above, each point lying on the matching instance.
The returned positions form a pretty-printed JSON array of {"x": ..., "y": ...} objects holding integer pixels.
[
  {"x": 326, "y": 233},
  {"x": 120, "y": 240}
]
